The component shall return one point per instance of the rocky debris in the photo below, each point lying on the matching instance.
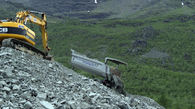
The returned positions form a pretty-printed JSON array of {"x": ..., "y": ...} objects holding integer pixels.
[
  {"x": 139, "y": 43},
  {"x": 47, "y": 105},
  {"x": 28, "y": 105},
  {"x": 29, "y": 82},
  {"x": 138, "y": 47},
  {"x": 187, "y": 56},
  {"x": 155, "y": 54},
  {"x": 142, "y": 36},
  {"x": 146, "y": 33},
  {"x": 158, "y": 57}
]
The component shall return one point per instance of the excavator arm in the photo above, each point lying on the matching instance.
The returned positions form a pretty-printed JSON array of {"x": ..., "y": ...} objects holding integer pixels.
[{"x": 29, "y": 16}]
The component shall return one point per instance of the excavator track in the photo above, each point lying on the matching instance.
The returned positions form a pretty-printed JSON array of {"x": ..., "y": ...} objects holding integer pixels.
[{"x": 25, "y": 47}]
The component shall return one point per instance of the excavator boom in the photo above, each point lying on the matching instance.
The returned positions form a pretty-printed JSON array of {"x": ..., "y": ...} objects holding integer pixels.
[{"x": 29, "y": 16}]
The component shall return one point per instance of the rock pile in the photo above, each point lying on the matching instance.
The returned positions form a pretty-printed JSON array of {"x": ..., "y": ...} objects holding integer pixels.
[{"x": 29, "y": 82}]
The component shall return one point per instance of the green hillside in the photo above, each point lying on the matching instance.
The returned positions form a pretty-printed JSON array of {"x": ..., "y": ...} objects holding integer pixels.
[
  {"x": 168, "y": 79},
  {"x": 141, "y": 8},
  {"x": 87, "y": 9},
  {"x": 7, "y": 10},
  {"x": 64, "y": 8},
  {"x": 158, "y": 45},
  {"x": 131, "y": 39}
]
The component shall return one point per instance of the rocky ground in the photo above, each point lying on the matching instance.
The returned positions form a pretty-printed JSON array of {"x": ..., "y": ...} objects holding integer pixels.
[{"x": 29, "y": 82}]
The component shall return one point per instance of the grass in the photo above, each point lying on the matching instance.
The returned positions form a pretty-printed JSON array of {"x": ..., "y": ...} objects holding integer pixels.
[
  {"x": 169, "y": 83},
  {"x": 174, "y": 90}
]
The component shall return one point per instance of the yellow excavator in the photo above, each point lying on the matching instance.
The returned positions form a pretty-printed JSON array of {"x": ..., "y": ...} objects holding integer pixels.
[{"x": 17, "y": 35}]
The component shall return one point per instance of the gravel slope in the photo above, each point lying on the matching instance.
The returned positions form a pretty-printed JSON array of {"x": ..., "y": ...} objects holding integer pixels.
[{"x": 29, "y": 82}]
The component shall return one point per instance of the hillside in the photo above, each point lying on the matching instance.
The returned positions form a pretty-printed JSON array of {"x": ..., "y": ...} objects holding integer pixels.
[
  {"x": 63, "y": 8},
  {"x": 159, "y": 51},
  {"x": 29, "y": 82},
  {"x": 7, "y": 10},
  {"x": 131, "y": 40},
  {"x": 156, "y": 38},
  {"x": 87, "y": 9},
  {"x": 141, "y": 8}
]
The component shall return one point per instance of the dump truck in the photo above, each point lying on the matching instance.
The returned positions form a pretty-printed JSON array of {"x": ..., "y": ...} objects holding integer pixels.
[{"x": 110, "y": 74}]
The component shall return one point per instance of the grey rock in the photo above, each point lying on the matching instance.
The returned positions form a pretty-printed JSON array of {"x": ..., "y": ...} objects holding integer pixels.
[
  {"x": 6, "y": 108},
  {"x": 92, "y": 94},
  {"x": 7, "y": 74},
  {"x": 26, "y": 95},
  {"x": 84, "y": 105},
  {"x": 1, "y": 77},
  {"x": 47, "y": 105},
  {"x": 22, "y": 102},
  {"x": 16, "y": 87},
  {"x": 50, "y": 65},
  {"x": 72, "y": 104},
  {"x": 50, "y": 96},
  {"x": 28, "y": 105},
  {"x": 124, "y": 105},
  {"x": 14, "y": 81},
  {"x": 69, "y": 75},
  {"x": 42, "y": 96},
  {"x": 34, "y": 80},
  {"x": 59, "y": 82},
  {"x": 2, "y": 83},
  {"x": 3, "y": 94},
  {"x": 60, "y": 107},
  {"x": 1, "y": 71},
  {"x": 1, "y": 101},
  {"x": 7, "y": 89},
  {"x": 40, "y": 84},
  {"x": 63, "y": 102},
  {"x": 24, "y": 74}
]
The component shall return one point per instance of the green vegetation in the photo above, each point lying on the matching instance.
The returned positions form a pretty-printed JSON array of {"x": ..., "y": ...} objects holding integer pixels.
[
  {"x": 173, "y": 90},
  {"x": 169, "y": 81},
  {"x": 167, "y": 76},
  {"x": 173, "y": 35},
  {"x": 5, "y": 7}
]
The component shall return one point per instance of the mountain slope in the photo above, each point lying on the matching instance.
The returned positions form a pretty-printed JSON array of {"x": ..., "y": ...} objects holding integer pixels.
[
  {"x": 63, "y": 8},
  {"x": 7, "y": 10},
  {"x": 128, "y": 39},
  {"x": 141, "y": 8},
  {"x": 87, "y": 9},
  {"x": 28, "y": 82},
  {"x": 168, "y": 77},
  {"x": 158, "y": 45}
]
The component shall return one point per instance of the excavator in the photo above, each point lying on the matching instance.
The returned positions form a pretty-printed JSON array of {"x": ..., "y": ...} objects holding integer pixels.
[{"x": 15, "y": 33}]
